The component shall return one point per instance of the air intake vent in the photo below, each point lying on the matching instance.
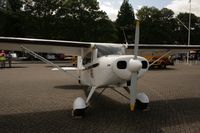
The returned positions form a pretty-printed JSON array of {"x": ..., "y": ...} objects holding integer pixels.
[
  {"x": 121, "y": 64},
  {"x": 144, "y": 64}
]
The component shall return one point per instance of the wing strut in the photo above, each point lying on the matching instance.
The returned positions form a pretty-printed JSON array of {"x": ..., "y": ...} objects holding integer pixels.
[{"x": 47, "y": 61}]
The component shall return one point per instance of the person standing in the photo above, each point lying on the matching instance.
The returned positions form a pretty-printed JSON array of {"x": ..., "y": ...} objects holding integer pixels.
[
  {"x": 9, "y": 58},
  {"x": 3, "y": 59}
]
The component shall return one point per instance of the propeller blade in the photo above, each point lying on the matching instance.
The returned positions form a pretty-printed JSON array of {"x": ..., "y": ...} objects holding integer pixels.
[
  {"x": 133, "y": 91},
  {"x": 133, "y": 87},
  {"x": 137, "y": 36}
]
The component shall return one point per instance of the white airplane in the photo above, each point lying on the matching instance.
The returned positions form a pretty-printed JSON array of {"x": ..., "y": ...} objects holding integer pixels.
[{"x": 100, "y": 65}]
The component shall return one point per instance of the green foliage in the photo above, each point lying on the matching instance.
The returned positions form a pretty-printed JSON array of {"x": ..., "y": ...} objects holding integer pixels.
[
  {"x": 15, "y": 5},
  {"x": 182, "y": 32},
  {"x": 10, "y": 24},
  {"x": 86, "y": 21},
  {"x": 168, "y": 26},
  {"x": 42, "y": 8},
  {"x": 125, "y": 21},
  {"x": 157, "y": 26},
  {"x": 160, "y": 26},
  {"x": 11, "y": 5},
  {"x": 125, "y": 17},
  {"x": 82, "y": 20}
]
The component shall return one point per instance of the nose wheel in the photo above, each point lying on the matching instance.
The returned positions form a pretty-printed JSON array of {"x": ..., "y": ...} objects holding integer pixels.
[
  {"x": 142, "y": 101},
  {"x": 141, "y": 106}
]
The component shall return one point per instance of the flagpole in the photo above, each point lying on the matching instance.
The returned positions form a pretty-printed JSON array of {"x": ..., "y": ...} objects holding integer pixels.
[{"x": 189, "y": 30}]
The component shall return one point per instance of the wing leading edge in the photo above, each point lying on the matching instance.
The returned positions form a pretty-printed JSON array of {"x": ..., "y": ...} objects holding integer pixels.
[
  {"x": 75, "y": 48},
  {"x": 159, "y": 49},
  {"x": 166, "y": 46},
  {"x": 43, "y": 45}
]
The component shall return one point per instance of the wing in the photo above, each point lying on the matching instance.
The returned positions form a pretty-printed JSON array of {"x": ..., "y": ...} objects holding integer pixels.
[
  {"x": 43, "y": 45},
  {"x": 159, "y": 49},
  {"x": 166, "y": 46},
  {"x": 75, "y": 48}
]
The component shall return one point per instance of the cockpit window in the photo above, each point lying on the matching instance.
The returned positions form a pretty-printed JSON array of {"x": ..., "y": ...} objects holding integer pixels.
[
  {"x": 104, "y": 50},
  {"x": 87, "y": 59}
]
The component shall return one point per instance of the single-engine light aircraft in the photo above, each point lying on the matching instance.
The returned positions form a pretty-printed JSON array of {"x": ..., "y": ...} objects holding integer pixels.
[{"x": 99, "y": 65}]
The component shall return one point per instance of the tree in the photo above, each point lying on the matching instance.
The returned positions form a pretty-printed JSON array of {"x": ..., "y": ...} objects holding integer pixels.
[
  {"x": 125, "y": 21},
  {"x": 42, "y": 8},
  {"x": 12, "y": 5},
  {"x": 87, "y": 21},
  {"x": 15, "y": 5},
  {"x": 157, "y": 26},
  {"x": 80, "y": 20},
  {"x": 168, "y": 26},
  {"x": 10, "y": 18},
  {"x": 182, "y": 32},
  {"x": 40, "y": 18}
]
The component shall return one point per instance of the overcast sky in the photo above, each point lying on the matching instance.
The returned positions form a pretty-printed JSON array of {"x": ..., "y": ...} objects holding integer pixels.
[{"x": 112, "y": 6}]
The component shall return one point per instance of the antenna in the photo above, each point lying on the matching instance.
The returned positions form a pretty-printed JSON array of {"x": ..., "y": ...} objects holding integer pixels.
[{"x": 125, "y": 37}]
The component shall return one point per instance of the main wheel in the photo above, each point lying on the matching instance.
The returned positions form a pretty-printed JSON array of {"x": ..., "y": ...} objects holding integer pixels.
[
  {"x": 79, "y": 107},
  {"x": 78, "y": 113}
]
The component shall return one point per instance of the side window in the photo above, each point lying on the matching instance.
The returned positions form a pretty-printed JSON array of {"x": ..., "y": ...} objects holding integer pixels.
[{"x": 87, "y": 59}]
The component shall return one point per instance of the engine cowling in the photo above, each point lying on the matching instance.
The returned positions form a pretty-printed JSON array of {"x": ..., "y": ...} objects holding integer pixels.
[{"x": 123, "y": 67}]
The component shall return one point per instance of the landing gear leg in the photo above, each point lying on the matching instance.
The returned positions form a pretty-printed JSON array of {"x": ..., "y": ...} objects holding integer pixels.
[{"x": 90, "y": 94}]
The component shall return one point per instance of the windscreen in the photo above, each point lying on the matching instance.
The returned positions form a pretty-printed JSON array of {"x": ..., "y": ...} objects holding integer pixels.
[{"x": 104, "y": 50}]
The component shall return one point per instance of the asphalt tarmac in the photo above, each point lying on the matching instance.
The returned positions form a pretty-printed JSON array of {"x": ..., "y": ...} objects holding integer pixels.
[{"x": 35, "y": 99}]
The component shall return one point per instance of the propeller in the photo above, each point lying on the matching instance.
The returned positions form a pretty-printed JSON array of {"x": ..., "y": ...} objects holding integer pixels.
[{"x": 134, "y": 66}]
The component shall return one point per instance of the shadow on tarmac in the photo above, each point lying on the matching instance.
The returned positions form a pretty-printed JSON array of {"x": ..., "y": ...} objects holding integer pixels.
[
  {"x": 71, "y": 87},
  {"x": 162, "y": 69},
  {"x": 14, "y": 67},
  {"x": 107, "y": 115}
]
